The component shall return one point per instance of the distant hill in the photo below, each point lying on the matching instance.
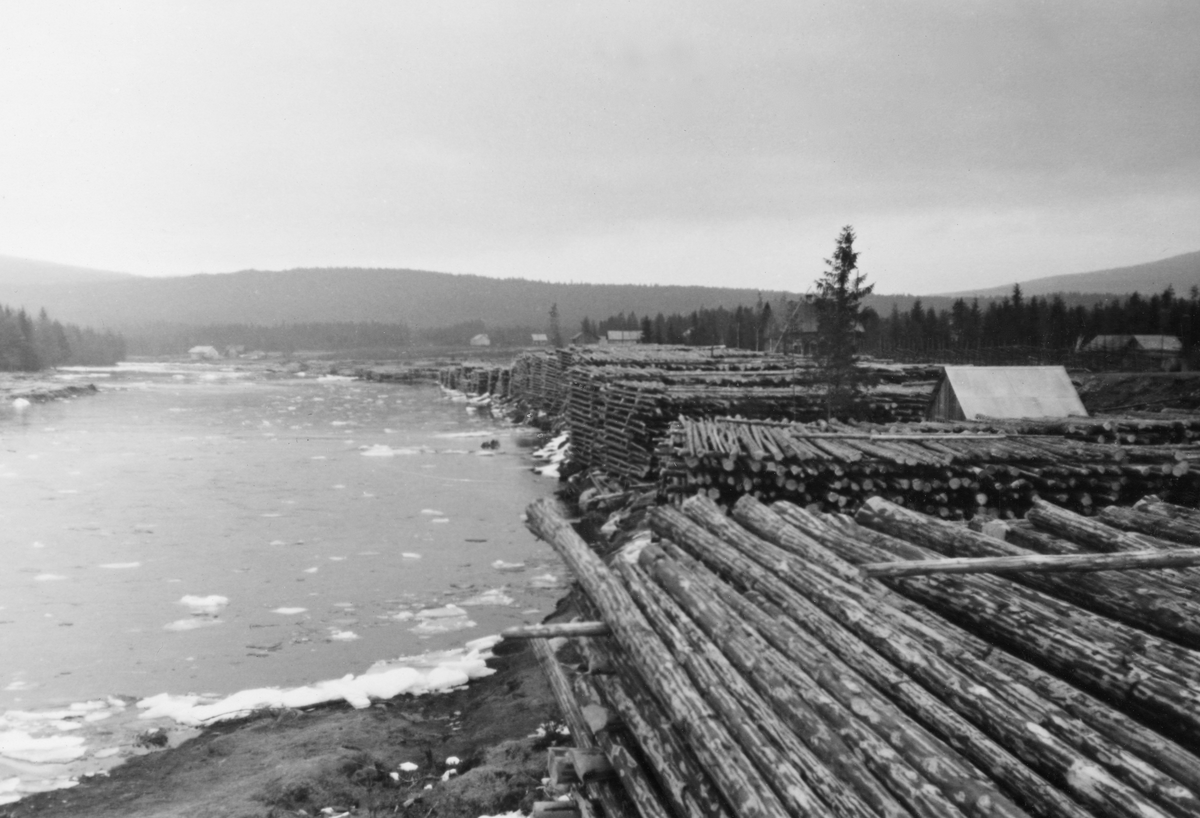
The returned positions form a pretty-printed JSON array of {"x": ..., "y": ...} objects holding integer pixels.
[
  {"x": 418, "y": 298},
  {"x": 24, "y": 272},
  {"x": 1182, "y": 272}
]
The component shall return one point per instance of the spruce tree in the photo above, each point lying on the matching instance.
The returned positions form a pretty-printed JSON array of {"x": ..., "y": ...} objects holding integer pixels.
[{"x": 838, "y": 304}]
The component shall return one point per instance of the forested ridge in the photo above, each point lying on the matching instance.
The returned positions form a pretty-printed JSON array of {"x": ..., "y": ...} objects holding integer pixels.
[
  {"x": 30, "y": 344},
  {"x": 1036, "y": 323}
]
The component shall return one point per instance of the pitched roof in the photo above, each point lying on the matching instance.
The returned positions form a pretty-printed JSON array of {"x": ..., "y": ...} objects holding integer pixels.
[
  {"x": 1013, "y": 391},
  {"x": 1165, "y": 343},
  {"x": 1149, "y": 343},
  {"x": 624, "y": 335}
]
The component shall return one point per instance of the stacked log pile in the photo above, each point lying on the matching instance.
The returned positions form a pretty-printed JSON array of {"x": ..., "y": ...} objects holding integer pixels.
[
  {"x": 938, "y": 471},
  {"x": 400, "y": 373},
  {"x": 753, "y": 668},
  {"x": 1126, "y": 430},
  {"x": 476, "y": 379}
]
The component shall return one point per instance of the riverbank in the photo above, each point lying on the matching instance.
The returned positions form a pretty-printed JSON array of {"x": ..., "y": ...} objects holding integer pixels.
[
  {"x": 36, "y": 387},
  {"x": 387, "y": 759}
]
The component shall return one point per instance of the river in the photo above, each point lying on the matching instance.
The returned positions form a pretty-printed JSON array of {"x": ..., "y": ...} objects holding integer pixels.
[{"x": 197, "y": 528}]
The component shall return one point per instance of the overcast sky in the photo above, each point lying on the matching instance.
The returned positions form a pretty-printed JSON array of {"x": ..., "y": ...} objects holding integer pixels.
[{"x": 969, "y": 143}]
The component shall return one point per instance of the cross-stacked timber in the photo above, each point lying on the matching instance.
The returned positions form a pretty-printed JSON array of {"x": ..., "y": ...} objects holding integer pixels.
[
  {"x": 793, "y": 676},
  {"x": 944, "y": 472}
]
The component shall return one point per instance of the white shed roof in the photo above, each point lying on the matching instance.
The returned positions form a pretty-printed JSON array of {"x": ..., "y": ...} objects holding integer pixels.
[{"x": 1014, "y": 392}]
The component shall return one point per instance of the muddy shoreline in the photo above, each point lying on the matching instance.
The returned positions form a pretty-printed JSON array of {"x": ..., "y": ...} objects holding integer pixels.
[{"x": 357, "y": 762}]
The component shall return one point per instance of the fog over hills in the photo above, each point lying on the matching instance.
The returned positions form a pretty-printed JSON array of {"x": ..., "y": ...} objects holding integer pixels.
[{"x": 26, "y": 272}]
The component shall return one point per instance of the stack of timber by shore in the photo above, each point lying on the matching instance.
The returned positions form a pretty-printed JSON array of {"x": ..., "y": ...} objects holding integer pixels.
[
  {"x": 769, "y": 664},
  {"x": 952, "y": 471}
]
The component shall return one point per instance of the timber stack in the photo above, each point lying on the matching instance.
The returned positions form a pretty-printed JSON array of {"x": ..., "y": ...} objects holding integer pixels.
[
  {"x": 782, "y": 663},
  {"x": 941, "y": 470}
]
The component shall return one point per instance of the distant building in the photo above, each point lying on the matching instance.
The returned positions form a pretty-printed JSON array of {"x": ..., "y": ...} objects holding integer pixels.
[
  {"x": 481, "y": 340},
  {"x": 1138, "y": 351},
  {"x": 540, "y": 339},
  {"x": 972, "y": 392},
  {"x": 622, "y": 336},
  {"x": 585, "y": 339},
  {"x": 204, "y": 353}
]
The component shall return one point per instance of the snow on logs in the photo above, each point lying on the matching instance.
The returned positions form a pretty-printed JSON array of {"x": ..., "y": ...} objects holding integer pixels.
[
  {"x": 947, "y": 472},
  {"x": 759, "y": 671}
]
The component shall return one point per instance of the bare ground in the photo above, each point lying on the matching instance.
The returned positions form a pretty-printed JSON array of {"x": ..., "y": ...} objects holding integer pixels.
[{"x": 295, "y": 763}]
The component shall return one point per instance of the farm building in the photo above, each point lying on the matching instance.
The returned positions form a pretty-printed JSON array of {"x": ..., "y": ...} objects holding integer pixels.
[
  {"x": 539, "y": 339},
  {"x": 585, "y": 339},
  {"x": 1139, "y": 351},
  {"x": 481, "y": 340},
  {"x": 972, "y": 392},
  {"x": 621, "y": 336}
]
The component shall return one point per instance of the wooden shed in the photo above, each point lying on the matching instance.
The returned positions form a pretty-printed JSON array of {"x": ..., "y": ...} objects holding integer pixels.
[{"x": 971, "y": 392}]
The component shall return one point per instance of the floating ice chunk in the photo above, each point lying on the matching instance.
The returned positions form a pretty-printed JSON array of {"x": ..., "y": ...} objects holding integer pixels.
[
  {"x": 121, "y": 565},
  {"x": 277, "y": 542},
  {"x": 474, "y": 433},
  {"x": 340, "y": 486},
  {"x": 421, "y": 674},
  {"x": 107, "y": 752},
  {"x": 312, "y": 570},
  {"x": 195, "y": 623},
  {"x": 453, "y": 761},
  {"x": 409, "y": 555},
  {"x": 272, "y": 514},
  {"x": 49, "y": 577},
  {"x": 546, "y": 581},
  {"x": 337, "y": 559},
  {"x": 340, "y": 423},
  {"x": 20, "y": 685},
  {"x": 383, "y": 450},
  {"x": 289, "y": 611},
  {"x": 20, "y": 746},
  {"x": 210, "y": 605},
  {"x": 443, "y": 612},
  {"x": 433, "y": 512},
  {"x": 440, "y": 520},
  {"x": 409, "y": 767},
  {"x": 548, "y": 471},
  {"x": 493, "y": 597},
  {"x": 510, "y": 567},
  {"x": 343, "y": 636},
  {"x": 319, "y": 457},
  {"x": 21, "y": 404}
]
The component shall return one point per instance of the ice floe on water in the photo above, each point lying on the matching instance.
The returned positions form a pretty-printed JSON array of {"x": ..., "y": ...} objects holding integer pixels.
[
  {"x": 509, "y": 567},
  {"x": 495, "y": 597},
  {"x": 432, "y": 512},
  {"x": 417, "y": 675},
  {"x": 49, "y": 577},
  {"x": 121, "y": 565},
  {"x": 289, "y": 611},
  {"x": 383, "y": 450},
  {"x": 192, "y": 624},
  {"x": 445, "y": 619},
  {"x": 342, "y": 636},
  {"x": 200, "y": 605}
]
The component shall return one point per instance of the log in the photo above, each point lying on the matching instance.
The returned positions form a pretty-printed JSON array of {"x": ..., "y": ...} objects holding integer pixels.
[
  {"x": 797, "y": 773},
  {"x": 1085, "y": 531},
  {"x": 1166, "y": 528},
  {"x": 1122, "y": 597},
  {"x": 606, "y": 792},
  {"x": 886, "y": 630},
  {"x": 557, "y": 630},
  {"x": 685, "y": 786},
  {"x": 848, "y": 537},
  {"x": 836, "y": 693},
  {"x": 742, "y": 786},
  {"x": 1038, "y": 563}
]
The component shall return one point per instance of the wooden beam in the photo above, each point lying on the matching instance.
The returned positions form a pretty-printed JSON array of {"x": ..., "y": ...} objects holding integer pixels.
[
  {"x": 1039, "y": 563},
  {"x": 558, "y": 629}
]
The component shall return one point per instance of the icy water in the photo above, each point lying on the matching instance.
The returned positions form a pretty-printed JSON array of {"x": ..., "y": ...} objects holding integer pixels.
[{"x": 198, "y": 529}]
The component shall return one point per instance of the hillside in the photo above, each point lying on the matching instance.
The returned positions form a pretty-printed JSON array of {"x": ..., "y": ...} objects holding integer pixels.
[
  {"x": 24, "y": 272},
  {"x": 418, "y": 298},
  {"x": 1182, "y": 272}
]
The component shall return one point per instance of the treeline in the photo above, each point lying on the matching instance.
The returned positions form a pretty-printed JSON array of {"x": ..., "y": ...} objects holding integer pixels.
[
  {"x": 176, "y": 339},
  {"x": 742, "y": 327},
  {"x": 28, "y": 344},
  {"x": 1038, "y": 322},
  {"x": 1048, "y": 323}
]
